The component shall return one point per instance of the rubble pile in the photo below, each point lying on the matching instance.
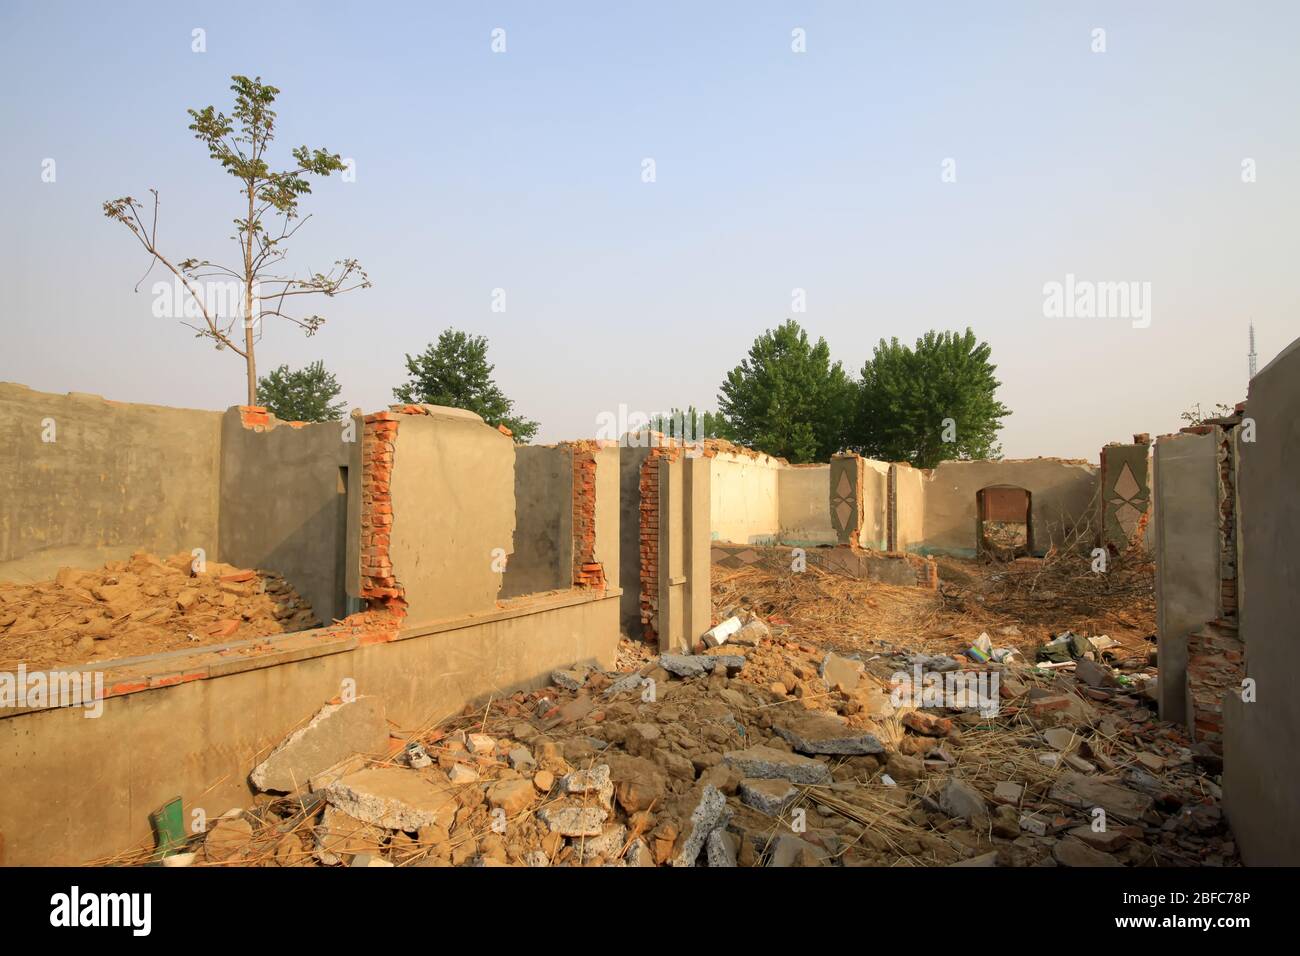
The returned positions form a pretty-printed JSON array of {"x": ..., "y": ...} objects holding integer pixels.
[
  {"x": 761, "y": 751},
  {"x": 143, "y": 605}
]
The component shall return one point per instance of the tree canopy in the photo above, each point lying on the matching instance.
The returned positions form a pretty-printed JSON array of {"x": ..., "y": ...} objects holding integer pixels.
[
  {"x": 788, "y": 398},
  {"x": 302, "y": 395},
  {"x": 930, "y": 403},
  {"x": 455, "y": 371}
]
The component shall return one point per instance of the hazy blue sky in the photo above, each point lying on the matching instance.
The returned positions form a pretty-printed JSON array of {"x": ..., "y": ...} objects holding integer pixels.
[{"x": 775, "y": 170}]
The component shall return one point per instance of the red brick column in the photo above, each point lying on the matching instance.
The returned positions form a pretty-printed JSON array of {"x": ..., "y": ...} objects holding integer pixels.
[
  {"x": 587, "y": 571},
  {"x": 648, "y": 486},
  {"x": 379, "y": 587}
]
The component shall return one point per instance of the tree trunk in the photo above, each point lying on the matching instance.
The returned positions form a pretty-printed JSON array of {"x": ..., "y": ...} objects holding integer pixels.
[{"x": 248, "y": 297}]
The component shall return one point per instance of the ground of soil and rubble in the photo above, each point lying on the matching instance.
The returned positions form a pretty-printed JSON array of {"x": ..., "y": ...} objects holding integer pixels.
[
  {"x": 142, "y": 605},
  {"x": 780, "y": 747}
]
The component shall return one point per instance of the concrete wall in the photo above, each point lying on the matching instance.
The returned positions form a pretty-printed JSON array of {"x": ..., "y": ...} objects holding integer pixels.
[
  {"x": 1262, "y": 738},
  {"x": 1126, "y": 492},
  {"x": 873, "y": 504},
  {"x": 284, "y": 504},
  {"x": 453, "y": 494},
  {"x": 117, "y": 478},
  {"x": 543, "y": 555},
  {"x": 803, "y": 496},
  {"x": 1063, "y": 494},
  {"x": 609, "y": 513},
  {"x": 743, "y": 491},
  {"x": 909, "y": 507},
  {"x": 76, "y": 790},
  {"x": 1187, "y": 555}
]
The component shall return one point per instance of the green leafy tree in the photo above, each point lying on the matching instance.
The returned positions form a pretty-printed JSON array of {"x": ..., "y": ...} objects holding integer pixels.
[
  {"x": 304, "y": 395},
  {"x": 787, "y": 398},
  {"x": 691, "y": 424},
  {"x": 929, "y": 404},
  {"x": 268, "y": 219},
  {"x": 456, "y": 372}
]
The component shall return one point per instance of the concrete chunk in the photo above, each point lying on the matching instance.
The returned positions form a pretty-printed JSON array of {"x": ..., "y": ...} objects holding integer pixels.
[
  {"x": 394, "y": 798},
  {"x": 771, "y": 795},
  {"x": 337, "y": 732},
  {"x": 763, "y": 761},
  {"x": 709, "y": 814},
  {"x": 574, "y": 821},
  {"x": 818, "y": 734}
]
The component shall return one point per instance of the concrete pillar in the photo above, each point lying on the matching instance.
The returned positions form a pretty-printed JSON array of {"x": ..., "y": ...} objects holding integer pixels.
[
  {"x": 672, "y": 558},
  {"x": 608, "y": 513},
  {"x": 698, "y": 547},
  {"x": 1186, "y": 553}
]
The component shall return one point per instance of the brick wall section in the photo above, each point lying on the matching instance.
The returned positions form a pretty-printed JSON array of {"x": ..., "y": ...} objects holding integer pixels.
[
  {"x": 587, "y": 571},
  {"x": 1215, "y": 666},
  {"x": 648, "y": 488},
  {"x": 1227, "y": 525},
  {"x": 927, "y": 571},
  {"x": 379, "y": 588},
  {"x": 1216, "y": 658}
]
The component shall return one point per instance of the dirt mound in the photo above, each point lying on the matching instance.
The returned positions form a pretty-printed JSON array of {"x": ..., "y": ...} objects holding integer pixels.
[{"x": 144, "y": 605}]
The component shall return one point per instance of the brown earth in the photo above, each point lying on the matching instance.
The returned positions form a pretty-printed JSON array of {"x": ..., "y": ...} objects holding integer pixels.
[{"x": 143, "y": 605}]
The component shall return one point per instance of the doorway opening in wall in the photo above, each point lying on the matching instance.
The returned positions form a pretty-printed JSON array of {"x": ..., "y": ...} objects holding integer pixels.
[{"x": 1003, "y": 525}]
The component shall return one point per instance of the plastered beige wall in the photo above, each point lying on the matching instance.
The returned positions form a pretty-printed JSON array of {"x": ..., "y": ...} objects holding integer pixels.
[
  {"x": 743, "y": 499},
  {"x": 116, "y": 478},
  {"x": 1063, "y": 493},
  {"x": 873, "y": 504},
  {"x": 909, "y": 497},
  {"x": 453, "y": 506},
  {"x": 803, "y": 501}
]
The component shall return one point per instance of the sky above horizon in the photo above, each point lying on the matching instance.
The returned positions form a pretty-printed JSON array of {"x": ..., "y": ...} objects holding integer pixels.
[{"x": 823, "y": 171}]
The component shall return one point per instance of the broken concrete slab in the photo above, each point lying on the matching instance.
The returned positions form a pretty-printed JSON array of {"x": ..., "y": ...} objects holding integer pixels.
[
  {"x": 1073, "y": 852},
  {"x": 337, "y": 732},
  {"x": 721, "y": 848},
  {"x": 710, "y": 813},
  {"x": 340, "y": 836},
  {"x": 606, "y": 843},
  {"x": 821, "y": 734},
  {"x": 960, "y": 799},
  {"x": 1008, "y": 793},
  {"x": 596, "y": 781},
  {"x": 764, "y": 761},
  {"x": 1085, "y": 793},
  {"x": 770, "y": 795},
  {"x": 1059, "y": 738},
  {"x": 696, "y": 665},
  {"x": 572, "y": 680},
  {"x": 573, "y": 821},
  {"x": 394, "y": 798}
]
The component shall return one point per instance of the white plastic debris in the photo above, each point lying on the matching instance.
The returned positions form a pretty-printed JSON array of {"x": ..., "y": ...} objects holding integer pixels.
[{"x": 718, "y": 634}]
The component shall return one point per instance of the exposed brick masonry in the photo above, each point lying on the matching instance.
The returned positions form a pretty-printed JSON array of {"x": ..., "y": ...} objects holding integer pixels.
[
  {"x": 587, "y": 571},
  {"x": 648, "y": 488},
  {"x": 378, "y": 585}
]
